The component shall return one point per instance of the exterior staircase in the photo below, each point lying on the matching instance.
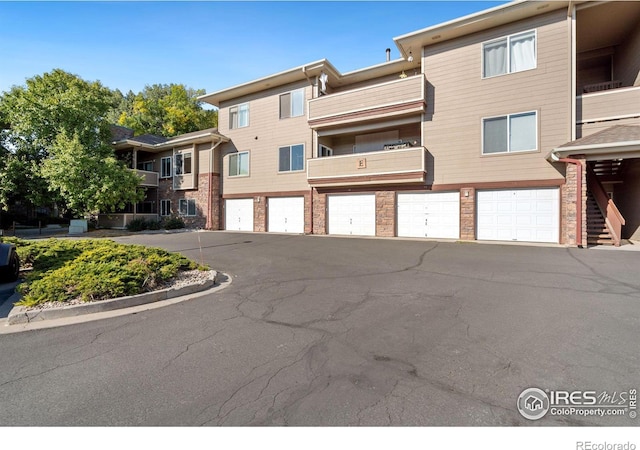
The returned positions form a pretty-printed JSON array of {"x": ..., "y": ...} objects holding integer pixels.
[
  {"x": 598, "y": 232},
  {"x": 604, "y": 221}
]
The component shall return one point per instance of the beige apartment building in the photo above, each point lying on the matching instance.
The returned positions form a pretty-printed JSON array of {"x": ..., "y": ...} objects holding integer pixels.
[{"x": 518, "y": 123}]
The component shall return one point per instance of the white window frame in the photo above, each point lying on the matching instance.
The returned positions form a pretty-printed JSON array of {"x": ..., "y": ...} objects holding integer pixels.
[
  {"x": 289, "y": 114},
  {"x": 162, "y": 161},
  {"x": 508, "y": 41},
  {"x": 188, "y": 202},
  {"x": 179, "y": 168},
  {"x": 508, "y": 136},
  {"x": 165, "y": 207},
  {"x": 238, "y": 156},
  {"x": 234, "y": 121},
  {"x": 290, "y": 147}
]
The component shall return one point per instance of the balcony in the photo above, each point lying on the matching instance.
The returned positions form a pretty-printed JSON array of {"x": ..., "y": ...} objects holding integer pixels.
[
  {"x": 149, "y": 179},
  {"x": 608, "y": 104},
  {"x": 373, "y": 168},
  {"x": 405, "y": 96}
]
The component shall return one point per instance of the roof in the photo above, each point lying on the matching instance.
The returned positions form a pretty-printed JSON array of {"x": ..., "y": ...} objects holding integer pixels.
[
  {"x": 609, "y": 136},
  {"x": 619, "y": 141},
  {"x": 155, "y": 142},
  {"x": 480, "y": 21},
  {"x": 119, "y": 133},
  {"x": 307, "y": 72},
  {"x": 150, "y": 139}
]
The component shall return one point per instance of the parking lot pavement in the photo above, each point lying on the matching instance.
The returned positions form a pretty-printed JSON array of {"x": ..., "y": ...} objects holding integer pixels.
[
  {"x": 343, "y": 331},
  {"x": 6, "y": 291}
]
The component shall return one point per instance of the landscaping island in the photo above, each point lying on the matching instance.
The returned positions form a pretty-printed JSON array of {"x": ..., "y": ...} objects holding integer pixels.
[{"x": 61, "y": 272}]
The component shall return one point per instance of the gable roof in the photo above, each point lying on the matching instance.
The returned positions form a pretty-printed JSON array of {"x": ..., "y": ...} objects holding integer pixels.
[{"x": 154, "y": 142}]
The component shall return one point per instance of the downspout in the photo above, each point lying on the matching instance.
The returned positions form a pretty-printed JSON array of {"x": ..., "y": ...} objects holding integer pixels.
[
  {"x": 573, "y": 82},
  {"x": 578, "y": 164},
  {"x": 209, "y": 224}
]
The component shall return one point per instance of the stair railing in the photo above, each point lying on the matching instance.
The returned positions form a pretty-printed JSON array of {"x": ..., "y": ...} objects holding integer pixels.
[{"x": 608, "y": 208}]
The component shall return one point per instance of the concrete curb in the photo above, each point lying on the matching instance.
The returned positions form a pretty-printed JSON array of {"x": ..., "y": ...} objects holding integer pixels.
[{"x": 20, "y": 314}]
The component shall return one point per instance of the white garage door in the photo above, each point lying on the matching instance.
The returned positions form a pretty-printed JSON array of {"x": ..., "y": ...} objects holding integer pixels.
[
  {"x": 286, "y": 214},
  {"x": 430, "y": 214},
  {"x": 239, "y": 214},
  {"x": 531, "y": 215},
  {"x": 352, "y": 214}
]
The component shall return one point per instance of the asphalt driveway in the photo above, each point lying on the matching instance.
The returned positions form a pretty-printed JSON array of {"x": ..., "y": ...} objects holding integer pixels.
[{"x": 334, "y": 331}]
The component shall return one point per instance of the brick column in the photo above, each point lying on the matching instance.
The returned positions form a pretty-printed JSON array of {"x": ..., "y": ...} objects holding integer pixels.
[
  {"x": 386, "y": 213},
  {"x": 214, "y": 220},
  {"x": 468, "y": 214},
  {"x": 319, "y": 213},
  {"x": 308, "y": 226},
  {"x": 568, "y": 194},
  {"x": 260, "y": 213}
]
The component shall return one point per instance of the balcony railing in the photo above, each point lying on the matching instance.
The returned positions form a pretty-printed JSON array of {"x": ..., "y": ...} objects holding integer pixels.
[
  {"x": 393, "y": 98},
  {"x": 383, "y": 167},
  {"x": 148, "y": 178},
  {"x": 608, "y": 104}
]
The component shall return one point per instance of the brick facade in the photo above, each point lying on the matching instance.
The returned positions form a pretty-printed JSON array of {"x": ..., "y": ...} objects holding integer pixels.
[
  {"x": 467, "y": 214},
  {"x": 319, "y": 213},
  {"x": 308, "y": 225},
  {"x": 200, "y": 195},
  {"x": 260, "y": 213},
  {"x": 568, "y": 222},
  {"x": 386, "y": 213}
]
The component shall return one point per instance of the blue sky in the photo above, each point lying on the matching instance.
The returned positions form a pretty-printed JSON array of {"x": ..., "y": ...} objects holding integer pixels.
[{"x": 204, "y": 45}]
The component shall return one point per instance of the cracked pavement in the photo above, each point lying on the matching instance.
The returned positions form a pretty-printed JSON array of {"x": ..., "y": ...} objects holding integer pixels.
[{"x": 333, "y": 331}]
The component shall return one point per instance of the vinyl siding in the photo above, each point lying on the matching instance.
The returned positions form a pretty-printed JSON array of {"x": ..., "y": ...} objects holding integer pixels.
[
  {"x": 368, "y": 97},
  {"x": 262, "y": 138},
  {"x": 458, "y": 99},
  {"x": 609, "y": 104}
]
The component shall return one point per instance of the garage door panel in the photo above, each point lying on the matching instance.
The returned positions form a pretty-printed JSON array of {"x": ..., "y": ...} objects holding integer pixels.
[
  {"x": 430, "y": 214},
  {"x": 352, "y": 214},
  {"x": 530, "y": 215},
  {"x": 239, "y": 214},
  {"x": 286, "y": 214}
]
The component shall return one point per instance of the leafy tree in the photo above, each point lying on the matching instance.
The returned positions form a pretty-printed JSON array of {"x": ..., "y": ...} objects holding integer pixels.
[
  {"x": 89, "y": 179},
  {"x": 165, "y": 110},
  {"x": 122, "y": 106},
  {"x": 53, "y": 111}
]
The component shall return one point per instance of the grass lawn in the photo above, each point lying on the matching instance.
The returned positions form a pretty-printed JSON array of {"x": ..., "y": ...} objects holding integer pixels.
[{"x": 94, "y": 269}]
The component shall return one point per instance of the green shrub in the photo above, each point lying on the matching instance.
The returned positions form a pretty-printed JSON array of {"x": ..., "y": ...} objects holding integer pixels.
[
  {"x": 137, "y": 225},
  {"x": 93, "y": 269},
  {"x": 154, "y": 225},
  {"x": 174, "y": 223}
]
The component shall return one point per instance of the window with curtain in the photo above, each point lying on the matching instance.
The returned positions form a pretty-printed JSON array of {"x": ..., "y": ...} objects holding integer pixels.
[
  {"x": 510, "y": 133},
  {"x": 239, "y": 116},
  {"x": 510, "y": 54},
  {"x": 183, "y": 163}
]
